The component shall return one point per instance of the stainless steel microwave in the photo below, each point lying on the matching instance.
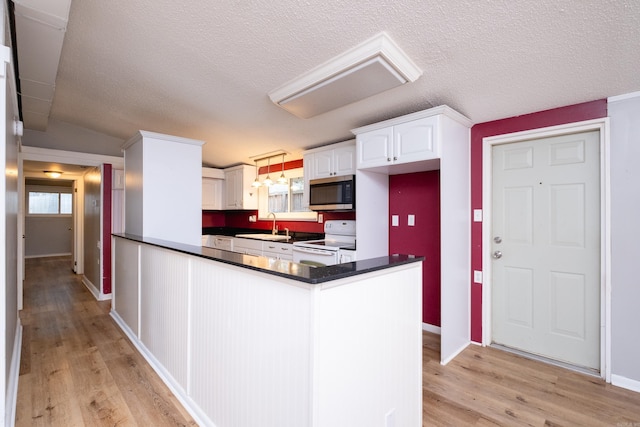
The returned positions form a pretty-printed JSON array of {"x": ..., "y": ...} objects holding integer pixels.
[{"x": 334, "y": 193}]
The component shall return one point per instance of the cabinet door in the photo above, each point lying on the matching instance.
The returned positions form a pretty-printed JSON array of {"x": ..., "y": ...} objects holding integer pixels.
[
  {"x": 211, "y": 194},
  {"x": 232, "y": 182},
  {"x": 344, "y": 161},
  {"x": 307, "y": 170},
  {"x": 374, "y": 148},
  {"x": 416, "y": 140},
  {"x": 323, "y": 164}
]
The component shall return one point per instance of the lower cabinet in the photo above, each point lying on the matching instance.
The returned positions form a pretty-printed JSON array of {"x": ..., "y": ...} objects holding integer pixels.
[{"x": 263, "y": 248}]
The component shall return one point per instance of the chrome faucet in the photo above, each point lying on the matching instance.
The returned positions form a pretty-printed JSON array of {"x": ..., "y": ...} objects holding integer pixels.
[{"x": 274, "y": 229}]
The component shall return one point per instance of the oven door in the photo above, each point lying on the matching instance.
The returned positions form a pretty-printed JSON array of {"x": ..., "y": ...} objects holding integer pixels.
[{"x": 314, "y": 257}]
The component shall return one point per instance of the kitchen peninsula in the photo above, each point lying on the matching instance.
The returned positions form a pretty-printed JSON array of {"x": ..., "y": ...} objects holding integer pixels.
[{"x": 256, "y": 341}]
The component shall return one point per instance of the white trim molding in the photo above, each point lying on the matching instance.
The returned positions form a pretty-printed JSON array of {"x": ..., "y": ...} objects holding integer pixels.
[
  {"x": 70, "y": 157},
  {"x": 431, "y": 328},
  {"x": 624, "y": 382},
  {"x": 601, "y": 125}
]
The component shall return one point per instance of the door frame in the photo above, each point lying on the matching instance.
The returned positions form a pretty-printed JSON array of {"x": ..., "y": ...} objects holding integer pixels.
[{"x": 601, "y": 125}]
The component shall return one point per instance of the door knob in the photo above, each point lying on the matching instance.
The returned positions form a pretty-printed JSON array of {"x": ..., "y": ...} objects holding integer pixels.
[{"x": 497, "y": 255}]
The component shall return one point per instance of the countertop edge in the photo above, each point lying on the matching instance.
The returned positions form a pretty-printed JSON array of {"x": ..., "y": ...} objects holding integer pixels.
[{"x": 297, "y": 272}]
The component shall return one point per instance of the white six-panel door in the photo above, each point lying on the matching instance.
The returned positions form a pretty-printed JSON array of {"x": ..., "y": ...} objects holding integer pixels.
[{"x": 546, "y": 247}]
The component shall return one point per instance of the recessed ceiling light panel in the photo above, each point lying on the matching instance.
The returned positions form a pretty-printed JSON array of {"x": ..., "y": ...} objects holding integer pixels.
[{"x": 372, "y": 67}]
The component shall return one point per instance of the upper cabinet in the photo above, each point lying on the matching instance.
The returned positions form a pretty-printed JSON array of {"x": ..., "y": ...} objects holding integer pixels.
[
  {"x": 324, "y": 162},
  {"x": 332, "y": 160},
  {"x": 238, "y": 192},
  {"x": 212, "y": 183},
  {"x": 409, "y": 143}
]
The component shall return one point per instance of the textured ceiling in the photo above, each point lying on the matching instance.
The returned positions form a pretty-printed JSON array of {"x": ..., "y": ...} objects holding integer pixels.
[{"x": 202, "y": 69}]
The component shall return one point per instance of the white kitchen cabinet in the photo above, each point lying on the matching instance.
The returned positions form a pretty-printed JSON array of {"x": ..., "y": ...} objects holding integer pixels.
[
  {"x": 278, "y": 250},
  {"x": 212, "y": 182},
  {"x": 238, "y": 192},
  {"x": 221, "y": 242},
  {"x": 413, "y": 141},
  {"x": 332, "y": 160},
  {"x": 445, "y": 134},
  {"x": 247, "y": 246}
]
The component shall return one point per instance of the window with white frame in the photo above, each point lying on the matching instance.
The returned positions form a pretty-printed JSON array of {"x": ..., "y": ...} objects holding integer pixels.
[
  {"x": 286, "y": 200},
  {"x": 49, "y": 201}
]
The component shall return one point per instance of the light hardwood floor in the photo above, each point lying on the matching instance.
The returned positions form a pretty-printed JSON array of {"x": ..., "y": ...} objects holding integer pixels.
[
  {"x": 484, "y": 386},
  {"x": 78, "y": 369}
]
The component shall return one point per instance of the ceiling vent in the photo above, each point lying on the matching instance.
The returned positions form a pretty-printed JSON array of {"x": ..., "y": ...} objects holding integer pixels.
[
  {"x": 374, "y": 66},
  {"x": 40, "y": 30}
]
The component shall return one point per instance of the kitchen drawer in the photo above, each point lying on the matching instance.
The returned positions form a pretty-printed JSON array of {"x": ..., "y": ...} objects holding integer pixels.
[{"x": 278, "y": 250}]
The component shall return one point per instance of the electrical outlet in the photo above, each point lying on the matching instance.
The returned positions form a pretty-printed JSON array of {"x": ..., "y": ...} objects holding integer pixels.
[
  {"x": 395, "y": 220},
  {"x": 320, "y": 218},
  {"x": 411, "y": 220}
]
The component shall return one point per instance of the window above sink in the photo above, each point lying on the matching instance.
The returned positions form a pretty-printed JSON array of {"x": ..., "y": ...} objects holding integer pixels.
[{"x": 285, "y": 201}]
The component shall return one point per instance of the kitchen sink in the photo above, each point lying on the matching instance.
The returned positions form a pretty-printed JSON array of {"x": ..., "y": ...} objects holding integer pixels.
[{"x": 263, "y": 236}]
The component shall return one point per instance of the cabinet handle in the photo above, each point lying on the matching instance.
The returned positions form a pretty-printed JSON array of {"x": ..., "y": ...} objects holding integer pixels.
[
  {"x": 395, "y": 158},
  {"x": 388, "y": 159}
]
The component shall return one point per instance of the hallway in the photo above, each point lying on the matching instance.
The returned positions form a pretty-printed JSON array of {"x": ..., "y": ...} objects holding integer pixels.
[{"x": 77, "y": 367}]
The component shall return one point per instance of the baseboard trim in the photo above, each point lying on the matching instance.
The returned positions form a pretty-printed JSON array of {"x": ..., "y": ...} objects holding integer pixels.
[
  {"x": 12, "y": 381},
  {"x": 457, "y": 352},
  {"x": 624, "y": 382},
  {"x": 431, "y": 328},
  {"x": 192, "y": 408},
  {"x": 47, "y": 255},
  {"x": 94, "y": 290}
]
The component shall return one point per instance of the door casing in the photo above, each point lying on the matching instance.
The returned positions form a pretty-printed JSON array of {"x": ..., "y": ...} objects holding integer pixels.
[{"x": 602, "y": 125}]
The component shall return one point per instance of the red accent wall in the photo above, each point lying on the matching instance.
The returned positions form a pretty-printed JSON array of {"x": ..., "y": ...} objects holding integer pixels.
[
  {"x": 276, "y": 167},
  {"x": 107, "y": 180},
  {"x": 213, "y": 219},
  {"x": 240, "y": 219},
  {"x": 557, "y": 116},
  {"x": 419, "y": 194}
]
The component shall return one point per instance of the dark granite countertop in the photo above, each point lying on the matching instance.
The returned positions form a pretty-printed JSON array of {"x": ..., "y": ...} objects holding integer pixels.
[
  {"x": 282, "y": 268},
  {"x": 296, "y": 236}
]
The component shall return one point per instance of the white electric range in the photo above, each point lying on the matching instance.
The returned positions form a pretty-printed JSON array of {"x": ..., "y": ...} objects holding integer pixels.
[{"x": 337, "y": 247}]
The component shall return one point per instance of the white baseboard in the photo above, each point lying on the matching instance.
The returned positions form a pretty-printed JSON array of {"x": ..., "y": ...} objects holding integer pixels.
[
  {"x": 431, "y": 328},
  {"x": 624, "y": 382},
  {"x": 194, "y": 410},
  {"x": 47, "y": 255},
  {"x": 94, "y": 290},
  {"x": 12, "y": 380},
  {"x": 453, "y": 356}
]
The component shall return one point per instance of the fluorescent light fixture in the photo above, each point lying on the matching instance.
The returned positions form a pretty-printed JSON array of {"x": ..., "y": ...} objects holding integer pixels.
[{"x": 374, "y": 66}]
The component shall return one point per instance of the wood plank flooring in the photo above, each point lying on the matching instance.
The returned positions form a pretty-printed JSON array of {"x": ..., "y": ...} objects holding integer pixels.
[
  {"x": 488, "y": 387},
  {"x": 78, "y": 369}
]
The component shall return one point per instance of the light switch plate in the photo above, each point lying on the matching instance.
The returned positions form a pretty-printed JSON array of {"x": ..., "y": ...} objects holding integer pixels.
[
  {"x": 320, "y": 218},
  {"x": 395, "y": 220},
  {"x": 477, "y": 276},
  {"x": 411, "y": 220},
  {"x": 477, "y": 215}
]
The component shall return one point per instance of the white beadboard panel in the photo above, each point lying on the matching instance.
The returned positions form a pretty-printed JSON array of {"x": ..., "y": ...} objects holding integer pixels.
[
  {"x": 125, "y": 281},
  {"x": 371, "y": 363},
  {"x": 250, "y": 347},
  {"x": 163, "y": 308}
]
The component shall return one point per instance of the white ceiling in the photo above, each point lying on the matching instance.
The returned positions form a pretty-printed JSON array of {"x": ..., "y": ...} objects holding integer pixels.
[{"x": 202, "y": 69}]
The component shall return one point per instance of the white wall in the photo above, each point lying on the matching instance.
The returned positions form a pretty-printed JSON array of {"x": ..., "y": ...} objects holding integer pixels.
[
  {"x": 624, "y": 113},
  {"x": 163, "y": 187},
  {"x": 65, "y": 136},
  {"x": 9, "y": 323}
]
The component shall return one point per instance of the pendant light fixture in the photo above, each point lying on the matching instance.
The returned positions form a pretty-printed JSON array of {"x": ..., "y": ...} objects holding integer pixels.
[
  {"x": 256, "y": 183},
  {"x": 267, "y": 181},
  {"x": 282, "y": 179}
]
